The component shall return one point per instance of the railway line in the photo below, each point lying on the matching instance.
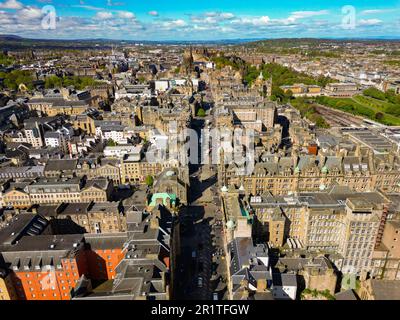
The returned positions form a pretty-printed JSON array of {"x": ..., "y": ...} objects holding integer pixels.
[{"x": 338, "y": 118}]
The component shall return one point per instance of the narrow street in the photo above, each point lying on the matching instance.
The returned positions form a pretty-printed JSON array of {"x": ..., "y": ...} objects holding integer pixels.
[{"x": 202, "y": 273}]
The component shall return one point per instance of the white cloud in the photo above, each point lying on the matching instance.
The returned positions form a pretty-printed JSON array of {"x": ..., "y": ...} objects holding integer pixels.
[
  {"x": 5, "y": 18},
  {"x": 227, "y": 15},
  {"x": 153, "y": 13},
  {"x": 263, "y": 21},
  {"x": 126, "y": 15},
  {"x": 377, "y": 11},
  {"x": 103, "y": 15},
  {"x": 11, "y": 4},
  {"x": 29, "y": 13},
  {"x": 257, "y": 21},
  {"x": 369, "y": 22},
  {"x": 87, "y": 7},
  {"x": 297, "y": 15},
  {"x": 212, "y": 18},
  {"x": 109, "y": 23},
  {"x": 175, "y": 23}
]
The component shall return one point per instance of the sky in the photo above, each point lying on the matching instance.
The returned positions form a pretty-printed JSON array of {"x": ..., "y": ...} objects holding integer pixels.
[{"x": 199, "y": 20}]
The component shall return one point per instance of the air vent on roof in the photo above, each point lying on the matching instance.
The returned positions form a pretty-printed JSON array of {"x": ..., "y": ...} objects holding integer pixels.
[
  {"x": 35, "y": 231},
  {"x": 75, "y": 245},
  {"x": 38, "y": 226},
  {"x": 52, "y": 246},
  {"x": 42, "y": 221},
  {"x": 13, "y": 233}
]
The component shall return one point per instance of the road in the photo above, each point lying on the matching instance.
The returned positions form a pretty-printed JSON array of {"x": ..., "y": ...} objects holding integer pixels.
[{"x": 201, "y": 235}]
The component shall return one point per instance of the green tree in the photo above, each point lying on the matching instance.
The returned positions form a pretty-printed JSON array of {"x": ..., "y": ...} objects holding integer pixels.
[
  {"x": 78, "y": 82},
  {"x": 6, "y": 60},
  {"x": 201, "y": 112},
  {"x": 111, "y": 143},
  {"x": 374, "y": 93},
  {"x": 288, "y": 95},
  {"x": 53, "y": 82},
  {"x": 379, "y": 116},
  {"x": 149, "y": 180},
  {"x": 16, "y": 77}
]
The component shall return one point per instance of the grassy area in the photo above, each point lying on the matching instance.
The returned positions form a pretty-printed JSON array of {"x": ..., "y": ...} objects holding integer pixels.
[
  {"x": 317, "y": 294},
  {"x": 394, "y": 63},
  {"x": 365, "y": 107}
]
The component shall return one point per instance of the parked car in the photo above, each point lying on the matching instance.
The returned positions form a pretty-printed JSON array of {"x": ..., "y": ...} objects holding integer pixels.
[{"x": 200, "y": 282}]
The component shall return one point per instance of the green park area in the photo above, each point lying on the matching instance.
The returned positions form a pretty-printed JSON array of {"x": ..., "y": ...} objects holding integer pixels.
[
  {"x": 372, "y": 104},
  {"x": 78, "y": 82},
  {"x": 6, "y": 60},
  {"x": 11, "y": 80}
]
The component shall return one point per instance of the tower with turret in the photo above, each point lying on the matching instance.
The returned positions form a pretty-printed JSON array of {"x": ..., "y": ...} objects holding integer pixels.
[{"x": 263, "y": 85}]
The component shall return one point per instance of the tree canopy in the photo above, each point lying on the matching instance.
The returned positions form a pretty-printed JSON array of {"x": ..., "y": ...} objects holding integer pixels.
[
  {"x": 111, "y": 143},
  {"x": 201, "y": 112},
  {"x": 149, "y": 180},
  {"x": 78, "y": 82},
  {"x": 13, "y": 79}
]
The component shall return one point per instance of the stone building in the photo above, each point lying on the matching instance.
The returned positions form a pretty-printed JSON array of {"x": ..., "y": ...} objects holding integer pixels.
[
  {"x": 173, "y": 181},
  {"x": 306, "y": 173},
  {"x": 335, "y": 222},
  {"x": 373, "y": 289},
  {"x": 316, "y": 273}
]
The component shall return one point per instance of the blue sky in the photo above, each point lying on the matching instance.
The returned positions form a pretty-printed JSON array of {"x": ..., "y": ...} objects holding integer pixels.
[{"x": 201, "y": 20}]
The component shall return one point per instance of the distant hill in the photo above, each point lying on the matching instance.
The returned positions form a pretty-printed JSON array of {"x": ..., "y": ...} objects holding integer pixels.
[
  {"x": 6, "y": 37},
  {"x": 10, "y": 42},
  {"x": 304, "y": 41}
]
